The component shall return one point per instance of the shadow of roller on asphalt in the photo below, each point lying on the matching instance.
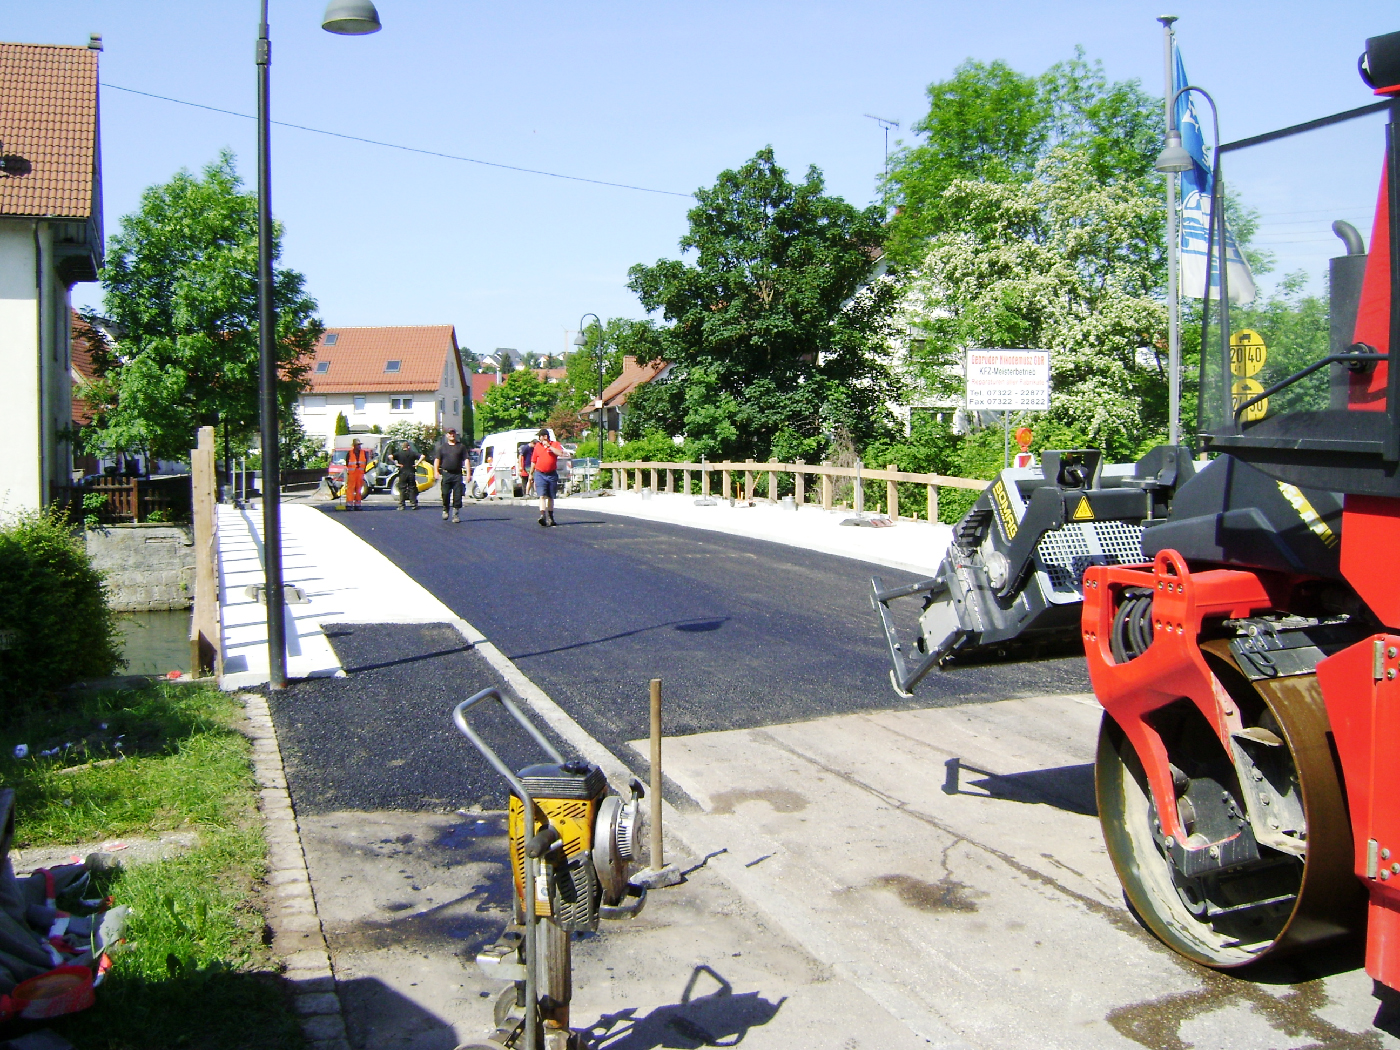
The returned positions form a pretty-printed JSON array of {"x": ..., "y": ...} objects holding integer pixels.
[
  {"x": 718, "y": 1018},
  {"x": 1070, "y": 788}
]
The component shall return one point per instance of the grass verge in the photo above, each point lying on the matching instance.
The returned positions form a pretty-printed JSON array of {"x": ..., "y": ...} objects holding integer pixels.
[{"x": 195, "y": 971}]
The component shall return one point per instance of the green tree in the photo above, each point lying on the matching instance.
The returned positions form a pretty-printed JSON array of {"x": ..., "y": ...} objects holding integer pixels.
[
  {"x": 181, "y": 281},
  {"x": 777, "y": 325},
  {"x": 1066, "y": 262},
  {"x": 523, "y": 400},
  {"x": 342, "y": 425},
  {"x": 990, "y": 123}
]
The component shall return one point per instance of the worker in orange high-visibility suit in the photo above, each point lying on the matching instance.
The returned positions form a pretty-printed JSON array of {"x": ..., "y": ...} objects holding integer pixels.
[{"x": 357, "y": 461}]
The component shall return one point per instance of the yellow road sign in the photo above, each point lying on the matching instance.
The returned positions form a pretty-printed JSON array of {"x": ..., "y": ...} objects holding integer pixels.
[
  {"x": 1247, "y": 352},
  {"x": 1241, "y": 390}
]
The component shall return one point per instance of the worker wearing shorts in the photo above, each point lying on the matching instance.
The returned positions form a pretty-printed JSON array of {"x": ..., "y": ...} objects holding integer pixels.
[{"x": 544, "y": 458}]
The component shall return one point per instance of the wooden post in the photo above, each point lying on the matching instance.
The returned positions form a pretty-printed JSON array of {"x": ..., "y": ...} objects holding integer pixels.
[
  {"x": 772, "y": 487},
  {"x": 205, "y": 636},
  {"x": 657, "y": 861},
  {"x": 685, "y": 475},
  {"x": 136, "y": 498},
  {"x": 933, "y": 504},
  {"x": 799, "y": 484},
  {"x": 704, "y": 481},
  {"x": 826, "y": 486},
  {"x": 892, "y": 496},
  {"x": 748, "y": 480},
  {"x": 617, "y": 480},
  {"x": 724, "y": 484},
  {"x": 859, "y": 490}
]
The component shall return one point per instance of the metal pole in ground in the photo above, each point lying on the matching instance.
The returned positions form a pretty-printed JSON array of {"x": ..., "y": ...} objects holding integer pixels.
[{"x": 659, "y": 874}]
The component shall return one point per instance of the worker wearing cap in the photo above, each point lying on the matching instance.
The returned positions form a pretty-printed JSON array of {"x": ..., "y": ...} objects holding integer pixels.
[
  {"x": 357, "y": 462},
  {"x": 408, "y": 459},
  {"x": 544, "y": 460}
]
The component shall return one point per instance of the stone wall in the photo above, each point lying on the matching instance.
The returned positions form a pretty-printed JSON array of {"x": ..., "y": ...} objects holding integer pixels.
[{"x": 147, "y": 566}]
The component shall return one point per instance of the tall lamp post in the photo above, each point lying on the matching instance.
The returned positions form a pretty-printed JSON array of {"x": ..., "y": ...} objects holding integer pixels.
[
  {"x": 1173, "y": 245},
  {"x": 348, "y": 18},
  {"x": 1175, "y": 158},
  {"x": 582, "y": 340}
]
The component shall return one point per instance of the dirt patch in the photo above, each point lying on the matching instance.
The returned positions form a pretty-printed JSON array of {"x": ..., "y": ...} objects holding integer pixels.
[
  {"x": 944, "y": 895},
  {"x": 781, "y": 799}
]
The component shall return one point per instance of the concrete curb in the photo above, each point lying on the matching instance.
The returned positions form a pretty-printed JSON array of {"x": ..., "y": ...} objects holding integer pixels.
[{"x": 296, "y": 926}]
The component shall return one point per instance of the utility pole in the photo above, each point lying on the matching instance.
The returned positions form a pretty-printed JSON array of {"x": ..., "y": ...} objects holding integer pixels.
[
  {"x": 886, "y": 125},
  {"x": 1173, "y": 247}
]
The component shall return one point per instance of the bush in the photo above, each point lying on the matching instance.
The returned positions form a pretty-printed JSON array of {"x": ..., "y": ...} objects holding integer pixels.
[
  {"x": 424, "y": 436},
  {"x": 58, "y": 626}
]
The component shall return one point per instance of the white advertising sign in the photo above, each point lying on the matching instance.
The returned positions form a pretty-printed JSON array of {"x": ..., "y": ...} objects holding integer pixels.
[{"x": 1014, "y": 380}]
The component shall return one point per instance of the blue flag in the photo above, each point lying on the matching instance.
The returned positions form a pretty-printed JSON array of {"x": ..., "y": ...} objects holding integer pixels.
[{"x": 1194, "y": 212}]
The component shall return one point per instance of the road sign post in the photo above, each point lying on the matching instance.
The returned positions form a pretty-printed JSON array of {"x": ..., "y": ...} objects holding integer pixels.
[{"x": 1248, "y": 353}]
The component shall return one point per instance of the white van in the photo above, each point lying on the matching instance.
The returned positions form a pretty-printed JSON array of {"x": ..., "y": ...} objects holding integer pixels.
[{"x": 500, "y": 456}]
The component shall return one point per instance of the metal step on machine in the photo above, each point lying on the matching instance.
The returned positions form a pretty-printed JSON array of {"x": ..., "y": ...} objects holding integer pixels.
[{"x": 571, "y": 846}]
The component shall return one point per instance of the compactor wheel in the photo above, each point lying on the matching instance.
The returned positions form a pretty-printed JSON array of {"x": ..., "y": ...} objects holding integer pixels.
[{"x": 1290, "y": 897}]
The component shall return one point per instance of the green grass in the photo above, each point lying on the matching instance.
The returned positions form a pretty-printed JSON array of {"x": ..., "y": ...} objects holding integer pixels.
[{"x": 195, "y": 971}]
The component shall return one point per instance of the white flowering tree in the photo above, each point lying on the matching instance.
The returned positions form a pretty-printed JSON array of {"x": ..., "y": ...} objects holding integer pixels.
[{"x": 1064, "y": 262}]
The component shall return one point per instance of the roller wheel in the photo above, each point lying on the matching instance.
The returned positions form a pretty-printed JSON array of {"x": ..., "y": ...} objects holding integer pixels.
[{"x": 1300, "y": 891}]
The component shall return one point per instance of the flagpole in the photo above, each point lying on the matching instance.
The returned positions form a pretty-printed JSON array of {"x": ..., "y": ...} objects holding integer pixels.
[{"x": 1173, "y": 293}]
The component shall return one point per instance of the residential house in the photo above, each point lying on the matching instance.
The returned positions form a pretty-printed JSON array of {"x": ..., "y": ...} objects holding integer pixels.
[
  {"x": 50, "y": 239},
  {"x": 615, "y": 393},
  {"x": 382, "y": 376}
]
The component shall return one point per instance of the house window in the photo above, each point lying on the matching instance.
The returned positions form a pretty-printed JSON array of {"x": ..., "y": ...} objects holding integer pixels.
[
  {"x": 400, "y": 404},
  {"x": 313, "y": 402},
  {"x": 454, "y": 406},
  {"x": 359, "y": 402},
  {"x": 392, "y": 366},
  {"x": 442, "y": 406},
  {"x": 331, "y": 338},
  {"x": 322, "y": 367}
]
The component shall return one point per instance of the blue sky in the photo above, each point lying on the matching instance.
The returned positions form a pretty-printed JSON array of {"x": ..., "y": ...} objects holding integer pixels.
[{"x": 656, "y": 94}]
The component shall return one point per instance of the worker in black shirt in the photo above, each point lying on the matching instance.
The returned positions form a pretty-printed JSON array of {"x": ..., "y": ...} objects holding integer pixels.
[
  {"x": 449, "y": 461},
  {"x": 407, "y": 460}
]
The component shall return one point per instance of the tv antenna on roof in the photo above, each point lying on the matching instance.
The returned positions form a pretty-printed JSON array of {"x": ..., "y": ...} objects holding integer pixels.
[{"x": 886, "y": 124}]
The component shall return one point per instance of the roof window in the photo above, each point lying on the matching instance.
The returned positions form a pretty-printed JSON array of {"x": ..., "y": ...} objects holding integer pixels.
[
  {"x": 331, "y": 338},
  {"x": 392, "y": 366},
  {"x": 322, "y": 367}
]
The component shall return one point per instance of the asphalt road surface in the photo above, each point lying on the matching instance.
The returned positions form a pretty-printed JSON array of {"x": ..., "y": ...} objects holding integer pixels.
[{"x": 742, "y": 632}]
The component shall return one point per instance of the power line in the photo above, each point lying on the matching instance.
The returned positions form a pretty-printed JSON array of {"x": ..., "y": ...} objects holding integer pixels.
[{"x": 406, "y": 149}]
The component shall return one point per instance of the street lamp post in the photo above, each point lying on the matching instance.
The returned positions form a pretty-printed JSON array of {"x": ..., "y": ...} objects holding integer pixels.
[
  {"x": 1173, "y": 294},
  {"x": 348, "y": 18},
  {"x": 582, "y": 340},
  {"x": 1175, "y": 158}
]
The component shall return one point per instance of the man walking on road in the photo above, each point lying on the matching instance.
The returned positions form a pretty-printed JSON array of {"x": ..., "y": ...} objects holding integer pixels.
[
  {"x": 408, "y": 460},
  {"x": 544, "y": 459},
  {"x": 450, "y": 461}
]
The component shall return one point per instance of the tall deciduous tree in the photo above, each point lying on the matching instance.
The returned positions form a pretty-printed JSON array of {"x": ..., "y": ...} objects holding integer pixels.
[
  {"x": 523, "y": 400},
  {"x": 1062, "y": 261},
  {"x": 989, "y": 122},
  {"x": 777, "y": 324},
  {"x": 181, "y": 281}
]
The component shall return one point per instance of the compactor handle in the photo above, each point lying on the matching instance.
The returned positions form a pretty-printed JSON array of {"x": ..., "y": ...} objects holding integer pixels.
[
  {"x": 459, "y": 716},
  {"x": 542, "y": 842}
]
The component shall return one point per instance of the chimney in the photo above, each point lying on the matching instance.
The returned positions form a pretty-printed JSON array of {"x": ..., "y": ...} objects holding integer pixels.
[{"x": 95, "y": 41}]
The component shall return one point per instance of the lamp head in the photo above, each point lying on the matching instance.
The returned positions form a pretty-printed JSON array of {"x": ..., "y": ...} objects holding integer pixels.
[
  {"x": 351, "y": 18},
  {"x": 580, "y": 339},
  {"x": 1174, "y": 157}
]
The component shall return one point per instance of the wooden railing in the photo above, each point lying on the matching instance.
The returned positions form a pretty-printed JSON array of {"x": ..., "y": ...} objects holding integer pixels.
[
  {"x": 663, "y": 478},
  {"x": 130, "y": 499}
]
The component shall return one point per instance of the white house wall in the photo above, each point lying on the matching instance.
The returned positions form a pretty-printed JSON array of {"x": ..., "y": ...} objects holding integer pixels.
[
  {"x": 35, "y": 399},
  {"x": 430, "y": 407}
]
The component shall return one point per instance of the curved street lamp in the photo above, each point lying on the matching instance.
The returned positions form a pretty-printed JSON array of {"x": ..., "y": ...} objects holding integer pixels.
[
  {"x": 582, "y": 340},
  {"x": 345, "y": 17},
  {"x": 1175, "y": 158}
]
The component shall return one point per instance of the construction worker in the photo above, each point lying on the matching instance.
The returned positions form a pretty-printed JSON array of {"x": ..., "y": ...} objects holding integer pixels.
[
  {"x": 357, "y": 462},
  {"x": 544, "y": 459},
  {"x": 408, "y": 460}
]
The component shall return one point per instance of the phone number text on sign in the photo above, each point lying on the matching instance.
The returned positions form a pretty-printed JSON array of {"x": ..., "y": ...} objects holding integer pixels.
[{"x": 1014, "y": 380}]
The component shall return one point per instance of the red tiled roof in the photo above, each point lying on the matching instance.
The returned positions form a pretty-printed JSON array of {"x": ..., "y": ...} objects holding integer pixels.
[
  {"x": 633, "y": 375},
  {"x": 551, "y": 375},
  {"x": 357, "y": 357},
  {"x": 82, "y": 367},
  {"x": 482, "y": 382},
  {"x": 48, "y": 116}
]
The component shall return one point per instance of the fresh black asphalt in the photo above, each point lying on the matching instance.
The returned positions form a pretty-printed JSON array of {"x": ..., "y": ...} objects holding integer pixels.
[{"x": 742, "y": 632}]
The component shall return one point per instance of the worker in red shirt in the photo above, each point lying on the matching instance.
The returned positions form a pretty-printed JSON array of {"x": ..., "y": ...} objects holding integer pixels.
[
  {"x": 357, "y": 462},
  {"x": 544, "y": 461}
]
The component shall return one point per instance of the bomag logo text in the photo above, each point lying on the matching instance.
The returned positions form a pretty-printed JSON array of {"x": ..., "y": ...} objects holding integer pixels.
[{"x": 1004, "y": 511}]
